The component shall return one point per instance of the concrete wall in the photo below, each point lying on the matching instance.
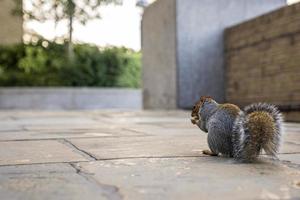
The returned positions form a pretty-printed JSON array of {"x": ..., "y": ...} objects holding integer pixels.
[
  {"x": 200, "y": 26},
  {"x": 70, "y": 98},
  {"x": 194, "y": 29},
  {"x": 159, "y": 55},
  {"x": 263, "y": 59},
  {"x": 11, "y": 27}
]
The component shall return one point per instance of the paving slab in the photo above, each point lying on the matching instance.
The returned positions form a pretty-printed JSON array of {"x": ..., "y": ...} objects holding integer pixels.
[
  {"x": 62, "y": 124},
  {"x": 149, "y": 146},
  {"x": 290, "y": 158},
  {"x": 170, "y": 144},
  {"x": 112, "y": 154},
  {"x": 291, "y": 141},
  {"x": 149, "y": 117},
  {"x": 21, "y": 114},
  {"x": 149, "y": 120},
  {"x": 28, "y": 152},
  {"x": 288, "y": 148},
  {"x": 65, "y": 133},
  {"x": 58, "y": 120},
  {"x": 196, "y": 178},
  {"x": 161, "y": 130},
  {"x": 145, "y": 113},
  {"x": 47, "y": 182},
  {"x": 292, "y": 137}
]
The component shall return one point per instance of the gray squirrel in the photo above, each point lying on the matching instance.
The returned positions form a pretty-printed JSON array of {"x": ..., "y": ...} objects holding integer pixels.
[{"x": 237, "y": 133}]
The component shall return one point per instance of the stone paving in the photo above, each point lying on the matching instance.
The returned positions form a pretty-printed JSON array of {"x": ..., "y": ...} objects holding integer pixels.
[{"x": 131, "y": 155}]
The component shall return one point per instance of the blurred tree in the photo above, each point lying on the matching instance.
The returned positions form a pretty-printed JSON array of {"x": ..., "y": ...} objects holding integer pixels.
[{"x": 61, "y": 10}]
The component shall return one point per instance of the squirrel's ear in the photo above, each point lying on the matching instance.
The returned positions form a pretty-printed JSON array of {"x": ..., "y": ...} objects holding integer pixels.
[
  {"x": 205, "y": 98},
  {"x": 202, "y": 98}
]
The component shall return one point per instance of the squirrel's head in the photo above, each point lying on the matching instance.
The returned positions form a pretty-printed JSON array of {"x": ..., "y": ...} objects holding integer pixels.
[{"x": 198, "y": 105}]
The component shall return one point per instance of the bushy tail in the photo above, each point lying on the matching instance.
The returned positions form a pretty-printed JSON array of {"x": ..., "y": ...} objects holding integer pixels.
[{"x": 258, "y": 127}]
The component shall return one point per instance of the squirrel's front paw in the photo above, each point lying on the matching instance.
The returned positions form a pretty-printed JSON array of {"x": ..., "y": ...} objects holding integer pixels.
[
  {"x": 194, "y": 120},
  {"x": 210, "y": 153}
]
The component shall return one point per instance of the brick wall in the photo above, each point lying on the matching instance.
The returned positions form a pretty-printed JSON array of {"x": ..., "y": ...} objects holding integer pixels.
[
  {"x": 11, "y": 27},
  {"x": 262, "y": 59}
]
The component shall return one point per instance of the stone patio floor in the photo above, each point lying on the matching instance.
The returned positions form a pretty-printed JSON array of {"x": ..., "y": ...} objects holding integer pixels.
[{"x": 131, "y": 155}]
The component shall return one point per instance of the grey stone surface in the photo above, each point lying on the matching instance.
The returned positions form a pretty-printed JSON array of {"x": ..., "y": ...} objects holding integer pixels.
[
  {"x": 26, "y": 152},
  {"x": 47, "y": 182},
  {"x": 160, "y": 142},
  {"x": 63, "y": 125},
  {"x": 290, "y": 158},
  {"x": 145, "y": 155},
  {"x": 149, "y": 146},
  {"x": 197, "y": 68},
  {"x": 63, "y": 133},
  {"x": 196, "y": 178},
  {"x": 70, "y": 98},
  {"x": 168, "y": 129}
]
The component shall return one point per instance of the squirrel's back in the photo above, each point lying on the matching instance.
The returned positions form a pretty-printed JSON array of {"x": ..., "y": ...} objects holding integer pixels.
[
  {"x": 231, "y": 109},
  {"x": 220, "y": 125}
]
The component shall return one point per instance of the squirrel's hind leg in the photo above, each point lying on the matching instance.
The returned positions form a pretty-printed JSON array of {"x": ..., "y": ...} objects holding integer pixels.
[{"x": 210, "y": 153}]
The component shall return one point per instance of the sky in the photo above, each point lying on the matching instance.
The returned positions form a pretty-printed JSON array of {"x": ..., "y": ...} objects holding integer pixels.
[
  {"x": 119, "y": 26},
  {"x": 292, "y": 1}
]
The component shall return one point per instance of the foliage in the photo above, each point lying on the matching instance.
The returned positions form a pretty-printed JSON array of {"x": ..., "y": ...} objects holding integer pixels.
[
  {"x": 45, "y": 64},
  {"x": 61, "y": 10},
  {"x": 80, "y": 10}
]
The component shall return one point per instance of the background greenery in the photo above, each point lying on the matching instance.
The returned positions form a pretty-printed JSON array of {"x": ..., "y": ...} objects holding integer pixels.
[{"x": 45, "y": 63}]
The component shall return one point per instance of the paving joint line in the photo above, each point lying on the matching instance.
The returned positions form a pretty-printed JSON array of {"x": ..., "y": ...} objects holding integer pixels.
[
  {"x": 103, "y": 159},
  {"x": 83, "y": 152},
  {"x": 290, "y": 164},
  {"x": 110, "y": 191},
  {"x": 166, "y": 157},
  {"x": 59, "y": 139},
  {"x": 287, "y": 153},
  {"x": 43, "y": 163},
  {"x": 135, "y": 131},
  {"x": 287, "y": 162},
  {"x": 149, "y": 157}
]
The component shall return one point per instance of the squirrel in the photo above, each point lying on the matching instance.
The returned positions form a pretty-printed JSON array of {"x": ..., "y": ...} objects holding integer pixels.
[{"x": 241, "y": 134}]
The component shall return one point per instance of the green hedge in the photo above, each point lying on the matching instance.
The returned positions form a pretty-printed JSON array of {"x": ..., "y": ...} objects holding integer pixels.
[{"x": 45, "y": 64}]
